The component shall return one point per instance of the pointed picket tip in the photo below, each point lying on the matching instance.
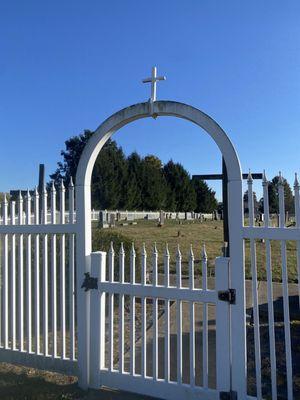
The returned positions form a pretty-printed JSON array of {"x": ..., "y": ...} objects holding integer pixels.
[
  {"x": 36, "y": 192},
  {"x": 264, "y": 178},
  {"x": 204, "y": 254},
  {"x": 249, "y": 179},
  {"x": 62, "y": 185},
  {"x": 132, "y": 251},
  {"x": 5, "y": 199},
  {"x": 178, "y": 253},
  {"x": 296, "y": 183},
  {"x": 144, "y": 252},
  {"x": 280, "y": 180},
  {"x": 111, "y": 248},
  {"x": 71, "y": 184},
  {"x": 20, "y": 198},
  {"x": 122, "y": 248},
  {"x": 53, "y": 190},
  {"x": 155, "y": 248},
  {"x": 28, "y": 197},
  {"x": 167, "y": 253},
  {"x": 191, "y": 251}
]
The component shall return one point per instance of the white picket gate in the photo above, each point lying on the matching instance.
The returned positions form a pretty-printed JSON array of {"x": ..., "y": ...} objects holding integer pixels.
[
  {"x": 75, "y": 331},
  {"x": 138, "y": 378}
]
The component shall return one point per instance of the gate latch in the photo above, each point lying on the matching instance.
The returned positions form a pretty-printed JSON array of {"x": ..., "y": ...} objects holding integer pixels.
[
  {"x": 227, "y": 295},
  {"x": 231, "y": 395},
  {"x": 89, "y": 282}
]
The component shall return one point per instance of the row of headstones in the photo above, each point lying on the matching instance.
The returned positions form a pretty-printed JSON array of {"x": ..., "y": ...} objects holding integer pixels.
[{"x": 108, "y": 219}]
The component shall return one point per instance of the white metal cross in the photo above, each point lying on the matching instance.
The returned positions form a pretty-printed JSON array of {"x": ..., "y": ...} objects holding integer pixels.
[{"x": 154, "y": 79}]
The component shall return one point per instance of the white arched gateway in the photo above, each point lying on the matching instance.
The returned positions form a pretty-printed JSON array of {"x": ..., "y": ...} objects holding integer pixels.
[{"x": 230, "y": 318}]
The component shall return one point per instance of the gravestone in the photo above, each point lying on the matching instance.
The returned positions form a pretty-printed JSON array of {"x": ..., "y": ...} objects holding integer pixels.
[
  {"x": 161, "y": 220},
  {"x": 103, "y": 219},
  {"x": 112, "y": 222}
]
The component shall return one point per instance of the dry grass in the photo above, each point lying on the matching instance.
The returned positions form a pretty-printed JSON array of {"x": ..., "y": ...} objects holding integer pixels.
[{"x": 196, "y": 234}]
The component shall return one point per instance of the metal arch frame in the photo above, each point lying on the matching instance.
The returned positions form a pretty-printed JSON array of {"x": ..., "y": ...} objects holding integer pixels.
[{"x": 83, "y": 207}]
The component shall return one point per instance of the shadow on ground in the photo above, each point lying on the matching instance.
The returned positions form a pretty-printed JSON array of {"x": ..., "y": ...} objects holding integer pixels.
[{"x": 21, "y": 383}]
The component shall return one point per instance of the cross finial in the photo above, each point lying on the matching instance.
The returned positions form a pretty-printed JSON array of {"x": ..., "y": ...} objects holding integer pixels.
[{"x": 154, "y": 79}]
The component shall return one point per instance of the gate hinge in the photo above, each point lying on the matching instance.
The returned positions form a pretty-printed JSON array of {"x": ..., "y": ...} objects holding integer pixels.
[
  {"x": 89, "y": 282},
  {"x": 227, "y": 295},
  {"x": 231, "y": 395}
]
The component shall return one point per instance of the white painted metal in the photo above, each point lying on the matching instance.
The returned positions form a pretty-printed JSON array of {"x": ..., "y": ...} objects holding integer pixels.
[
  {"x": 98, "y": 266},
  {"x": 167, "y": 317},
  {"x": 37, "y": 276},
  {"x": 5, "y": 276},
  {"x": 179, "y": 317},
  {"x": 111, "y": 260},
  {"x": 144, "y": 313},
  {"x": 21, "y": 277},
  {"x": 286, "y": 313},
  {"x": 45, "y": 275},
  {"x": 270, "y": 291},
  {"x": 155, "y": 313},
  {"x": 53, "y": 274},
  {"x": 83, "y": 201},
  {"x": 205, "y": 321},
  {"x": 71, "y": 273},
  {"x": 121, "y": 309},
  {"x": 153, "y": 80},
  {"x": 192, "y": 320},
  {"x": 297, "y": 220},
  {"x": 13, "y": 278},
  {"x": 223, "y": 346},
  {"x": 132, "y": 312},
  {"x": 28, "y": 277},
  {"x": 62, "y": 275},
  {"x": 254, "y": 290}
]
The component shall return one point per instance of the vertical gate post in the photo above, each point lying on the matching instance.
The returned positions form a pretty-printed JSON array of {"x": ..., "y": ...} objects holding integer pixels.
[
  {"x": 222, "y": 326},
  {"x": 97, "y": 320},
  {"x": 237, "y": 282},
  {"x": 83, "y": 265}
]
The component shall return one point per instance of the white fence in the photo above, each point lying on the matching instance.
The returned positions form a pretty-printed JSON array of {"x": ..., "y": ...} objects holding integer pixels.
[
  {"x": 148, "y": 364},
  {"x": 38, "y": 285},
  {"x": 38, "y": 305},
  {"x": 119, "y": 216}
]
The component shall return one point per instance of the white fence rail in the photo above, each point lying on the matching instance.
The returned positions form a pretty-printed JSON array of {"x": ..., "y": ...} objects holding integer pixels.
[
  {"x": 37, "y": 284},
  {"x": 127, "y": 357},
  {"x": 269, "y": 236},
  {"x": 147, "y": 307}
]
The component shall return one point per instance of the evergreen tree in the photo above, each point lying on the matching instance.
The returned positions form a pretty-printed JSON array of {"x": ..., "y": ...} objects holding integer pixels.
[
  {"x": 205, "y": 197},
  {"x": 180, "y": 186},
  {"x": 109, "y": 178},
  {"x": 154, "y": 185},
  {"x": 255, "y": 203},
  {"x": 133, "y": 185},
  {"x": 274, "y": 199},
  {"x": 71, "y": 156}
]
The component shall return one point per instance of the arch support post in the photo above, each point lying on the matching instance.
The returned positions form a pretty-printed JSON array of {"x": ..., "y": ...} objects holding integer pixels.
[
  {"x": 83, "y": 265},
  {"x": 237, "y": 281}
]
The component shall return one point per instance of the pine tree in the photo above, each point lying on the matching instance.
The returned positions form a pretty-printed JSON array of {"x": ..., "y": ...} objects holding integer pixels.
[
  {"x": 109, "y": 178},
  {"x": 206, "y": 200},
  {"x": 180, "y": 186},
  {"x": 71, "y": 156},
  {"x": 273, "y": 196},
  {"x": 154, "y": 185}
]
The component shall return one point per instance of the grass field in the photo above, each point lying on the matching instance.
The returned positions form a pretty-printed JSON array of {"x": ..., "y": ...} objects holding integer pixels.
[{"x": 196, "y": 234}]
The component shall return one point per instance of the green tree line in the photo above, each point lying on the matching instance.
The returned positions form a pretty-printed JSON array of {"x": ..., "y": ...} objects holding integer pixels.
[{"x": 135, "y": 182}]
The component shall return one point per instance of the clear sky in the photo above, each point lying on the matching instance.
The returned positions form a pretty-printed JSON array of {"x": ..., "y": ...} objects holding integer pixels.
[{"x": 65, "y": 66}]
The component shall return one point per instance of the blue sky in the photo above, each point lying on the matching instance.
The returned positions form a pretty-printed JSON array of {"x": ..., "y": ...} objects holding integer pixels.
[{"x": 65, "y": 66}]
